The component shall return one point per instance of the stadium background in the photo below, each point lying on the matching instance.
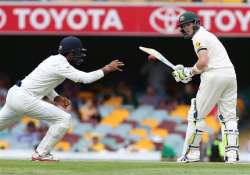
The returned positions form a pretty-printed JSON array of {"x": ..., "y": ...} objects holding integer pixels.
[{"x": 107, "y": 122}]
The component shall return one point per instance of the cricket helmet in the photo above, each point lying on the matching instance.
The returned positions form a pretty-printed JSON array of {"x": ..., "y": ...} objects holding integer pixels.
[
  {"x": 71, "y": 44},
  {"x": 188, "y": 17}
]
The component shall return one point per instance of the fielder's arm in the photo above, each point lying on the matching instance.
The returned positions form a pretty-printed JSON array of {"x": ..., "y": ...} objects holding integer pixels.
[
  {"x": 51, "y": 96},
  {"x": 113, "y": 66},
  {"x": 76, "y": 75}
]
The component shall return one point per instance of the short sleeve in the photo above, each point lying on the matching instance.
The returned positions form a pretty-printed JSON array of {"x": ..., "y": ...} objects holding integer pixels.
[{"x": 199, "y": 44}]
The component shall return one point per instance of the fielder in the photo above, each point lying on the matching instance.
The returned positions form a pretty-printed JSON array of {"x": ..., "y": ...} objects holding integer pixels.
[
  {"x": 218, "y": 87},
  {"x": 25, "y": 98}
]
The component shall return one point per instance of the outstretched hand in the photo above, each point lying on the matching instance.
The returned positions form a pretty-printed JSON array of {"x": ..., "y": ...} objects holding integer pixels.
[{"x": 113, "y": 66}]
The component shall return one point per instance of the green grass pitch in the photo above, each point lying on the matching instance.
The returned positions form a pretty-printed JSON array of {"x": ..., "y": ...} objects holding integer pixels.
[{"x": 25, "y": 167}]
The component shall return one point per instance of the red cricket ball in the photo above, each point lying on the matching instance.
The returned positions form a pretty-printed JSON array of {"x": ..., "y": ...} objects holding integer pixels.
[{"x": 151, "y": 58}]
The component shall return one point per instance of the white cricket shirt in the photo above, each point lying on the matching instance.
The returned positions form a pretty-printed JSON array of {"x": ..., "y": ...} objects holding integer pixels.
[
  {"x": 52, "y": 72},
  {"x": 217, "y": 54}
]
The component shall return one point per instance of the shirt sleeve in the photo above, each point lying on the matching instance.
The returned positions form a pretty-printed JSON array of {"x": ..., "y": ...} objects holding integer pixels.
[
  {"x": 199, "y": 44},
  {"x": 52, "y": 95},
  {"x": 69, "y": 72}
]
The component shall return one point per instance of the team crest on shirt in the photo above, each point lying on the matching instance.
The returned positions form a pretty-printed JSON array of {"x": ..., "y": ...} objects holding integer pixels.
[{"x": 197, "y": 45}]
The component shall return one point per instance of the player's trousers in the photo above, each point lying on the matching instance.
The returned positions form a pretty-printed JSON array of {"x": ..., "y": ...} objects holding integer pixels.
[
  {"x": 217, "y": 87},
  {"x": 20, "y": 103}
]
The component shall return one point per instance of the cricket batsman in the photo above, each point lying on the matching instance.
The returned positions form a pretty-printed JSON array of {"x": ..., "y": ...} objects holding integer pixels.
[
  {"x": 25, "y": 97},
  {"x": 218, "y": 86}
]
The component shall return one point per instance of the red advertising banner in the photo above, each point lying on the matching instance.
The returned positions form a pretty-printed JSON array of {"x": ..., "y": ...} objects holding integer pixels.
[{"x": 138, "y": 20}]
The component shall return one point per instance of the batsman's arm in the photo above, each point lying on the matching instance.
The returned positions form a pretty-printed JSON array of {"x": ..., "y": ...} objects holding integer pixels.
[{"x": 202, "y": 62}]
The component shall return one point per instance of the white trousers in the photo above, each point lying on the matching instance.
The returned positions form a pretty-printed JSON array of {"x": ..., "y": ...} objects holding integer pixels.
[
  {"x": 215, "y": 88},
  {"x": 19, "y": 102}
]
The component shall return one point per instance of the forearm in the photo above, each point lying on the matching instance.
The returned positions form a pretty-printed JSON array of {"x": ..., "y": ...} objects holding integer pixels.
[
  {"x": 198, "y": 68},
  {"x": 105, "y": 71},
  {"x": 201, "y": 65},
  {"x": 75, "y": 75},
  {"x": 52, "y": 95},
  {"x": 91, "y": 76}
]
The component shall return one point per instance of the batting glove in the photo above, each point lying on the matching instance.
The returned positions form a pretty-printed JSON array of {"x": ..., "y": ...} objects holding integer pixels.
[{"x": 183, "y": 74}]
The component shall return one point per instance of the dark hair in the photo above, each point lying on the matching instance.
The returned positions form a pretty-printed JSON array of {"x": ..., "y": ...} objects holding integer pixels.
[{"x": 31, "y": 124}]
